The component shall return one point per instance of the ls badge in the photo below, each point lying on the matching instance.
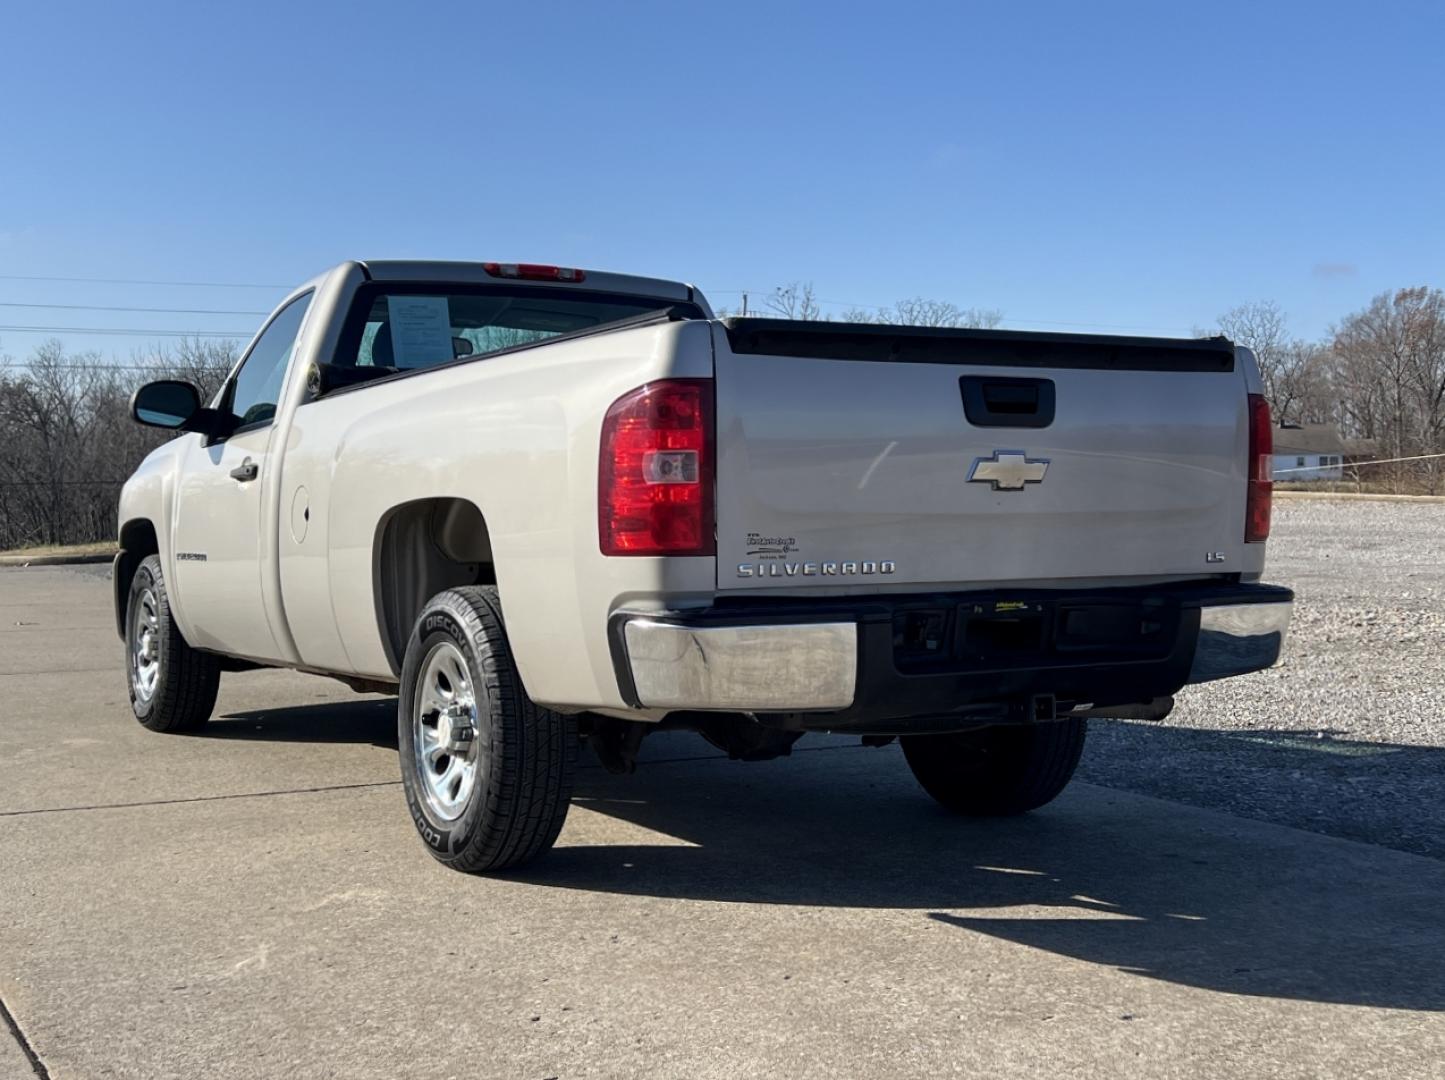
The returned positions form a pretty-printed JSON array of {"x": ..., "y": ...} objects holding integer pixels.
[{"x": 1008, "y": 470}]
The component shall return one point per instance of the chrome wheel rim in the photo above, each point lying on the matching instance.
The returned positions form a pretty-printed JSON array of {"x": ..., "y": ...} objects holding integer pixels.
[
  {"x": 145, "y": 645},
  {"x": 445, "y": 732}
]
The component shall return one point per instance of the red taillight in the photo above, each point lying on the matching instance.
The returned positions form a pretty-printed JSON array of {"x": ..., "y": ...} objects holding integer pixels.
[
  {"x": 534, "y": 272},
  {"x": 655, "y": 472},
  {"x": 1261, "y": 471}
]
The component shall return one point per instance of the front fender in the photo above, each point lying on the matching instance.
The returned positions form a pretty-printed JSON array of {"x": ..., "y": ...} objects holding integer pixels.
[{"x": 144, "y": 517}]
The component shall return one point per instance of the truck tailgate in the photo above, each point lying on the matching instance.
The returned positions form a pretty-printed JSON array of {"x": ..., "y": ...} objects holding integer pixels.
[{"x": 896, "y": 456}]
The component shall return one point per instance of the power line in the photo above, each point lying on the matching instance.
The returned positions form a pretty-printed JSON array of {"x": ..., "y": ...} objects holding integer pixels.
[
  {"x": 146, "y": 310},
  {"x": 138, "y": 281},
  {"x": 125, "y": 331}
]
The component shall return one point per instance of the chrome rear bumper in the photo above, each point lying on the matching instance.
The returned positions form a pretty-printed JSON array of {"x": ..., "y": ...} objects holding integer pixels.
[
  {"x": 1235, "y": 639},
  {"x": 752, "y": 668},
  {"x": 838, "y": 656}
]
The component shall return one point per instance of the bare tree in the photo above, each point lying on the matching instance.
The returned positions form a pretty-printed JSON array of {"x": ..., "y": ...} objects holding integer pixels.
[
  {"x": 56, "y": 416},
  {"x": 1260, "y": 326},
  {"x": 1294, "y": 371},
  {"x": 981, "y": 318},
  {"x": 920, "y": 311},
  {"x": 794, "y": 301},
  {"x": 1389, "y": 373},
  {"x": 1298, "y": 386},
  {"x": 798, "y": 301},
  {"x": 69, "y": 440},
  {"x": 1302, "y": 390},
  {"x": 195, "y": 360}
]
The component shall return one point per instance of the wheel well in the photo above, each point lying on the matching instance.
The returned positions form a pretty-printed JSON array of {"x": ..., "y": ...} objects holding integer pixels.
[
  {"x": 423, "y": 547},
  {"x": 137, "y": 540}
]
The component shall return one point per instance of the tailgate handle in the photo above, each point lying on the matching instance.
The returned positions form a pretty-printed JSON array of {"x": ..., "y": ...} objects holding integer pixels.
[{"x": 1000, "y": 401}]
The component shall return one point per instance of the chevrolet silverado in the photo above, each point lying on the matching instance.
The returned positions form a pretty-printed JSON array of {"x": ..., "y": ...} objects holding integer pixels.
[{"x": 546, "y": 506}]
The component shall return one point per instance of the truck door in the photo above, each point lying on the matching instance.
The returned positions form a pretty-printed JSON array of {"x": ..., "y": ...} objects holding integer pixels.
[{"x": 220, "y": 510}]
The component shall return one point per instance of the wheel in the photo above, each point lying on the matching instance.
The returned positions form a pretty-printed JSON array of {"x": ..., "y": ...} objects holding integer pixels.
[
  {"x": 1000, "y": 770},
  {"x": 487, "y": 774},
  {"x": 172, "y": 686}
]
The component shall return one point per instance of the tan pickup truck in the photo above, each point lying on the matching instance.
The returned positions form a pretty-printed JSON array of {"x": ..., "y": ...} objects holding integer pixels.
[{"x": 546, "y": 506}]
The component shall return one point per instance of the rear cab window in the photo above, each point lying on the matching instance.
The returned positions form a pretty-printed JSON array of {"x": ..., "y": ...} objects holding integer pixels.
[{"x": 396, "y": 327}]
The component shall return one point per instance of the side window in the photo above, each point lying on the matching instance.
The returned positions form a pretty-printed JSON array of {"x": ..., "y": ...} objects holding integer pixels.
[{"x": 257, "y": 385}]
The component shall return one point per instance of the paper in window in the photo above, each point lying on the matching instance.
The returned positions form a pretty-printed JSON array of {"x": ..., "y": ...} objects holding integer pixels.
[{"x": 421, "y": 330}]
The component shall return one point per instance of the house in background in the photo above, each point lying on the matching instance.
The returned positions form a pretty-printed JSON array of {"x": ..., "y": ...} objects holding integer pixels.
[
  {"x": 1359, "y": 451},
  {"x": 1308, "y": 452}
]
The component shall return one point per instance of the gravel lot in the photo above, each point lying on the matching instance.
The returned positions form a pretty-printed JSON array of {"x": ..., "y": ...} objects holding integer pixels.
[{"x": 1347, "y": 735}]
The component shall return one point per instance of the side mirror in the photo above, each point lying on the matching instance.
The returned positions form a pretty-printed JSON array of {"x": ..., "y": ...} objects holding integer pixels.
[{"x": 165, "y": 403}]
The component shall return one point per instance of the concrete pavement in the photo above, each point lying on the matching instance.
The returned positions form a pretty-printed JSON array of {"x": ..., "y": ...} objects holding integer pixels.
[
  {"x": 13, "y": 1060},
  {"x": 252, "y": 902}
]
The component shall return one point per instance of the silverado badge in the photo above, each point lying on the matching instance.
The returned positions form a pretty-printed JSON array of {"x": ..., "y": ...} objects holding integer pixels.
[{"x": 1008, "y": 470}]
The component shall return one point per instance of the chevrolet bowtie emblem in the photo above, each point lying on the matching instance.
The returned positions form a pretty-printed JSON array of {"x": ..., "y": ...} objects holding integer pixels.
[{"x": 1008, "y": 470}]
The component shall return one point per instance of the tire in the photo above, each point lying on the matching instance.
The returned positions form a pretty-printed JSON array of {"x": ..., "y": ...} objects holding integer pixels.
[
  {"x": 495, "y": 798},
  {"x": 172, "y": 686},
  {"x": 997, "y": 771}
]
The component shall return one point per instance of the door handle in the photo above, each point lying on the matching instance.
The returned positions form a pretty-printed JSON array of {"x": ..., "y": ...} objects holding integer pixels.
[{"x": 247, "y": 470}]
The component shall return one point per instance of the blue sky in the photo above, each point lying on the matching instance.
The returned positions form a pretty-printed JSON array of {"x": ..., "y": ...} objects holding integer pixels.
[{"x": 1139, "y": 166}]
